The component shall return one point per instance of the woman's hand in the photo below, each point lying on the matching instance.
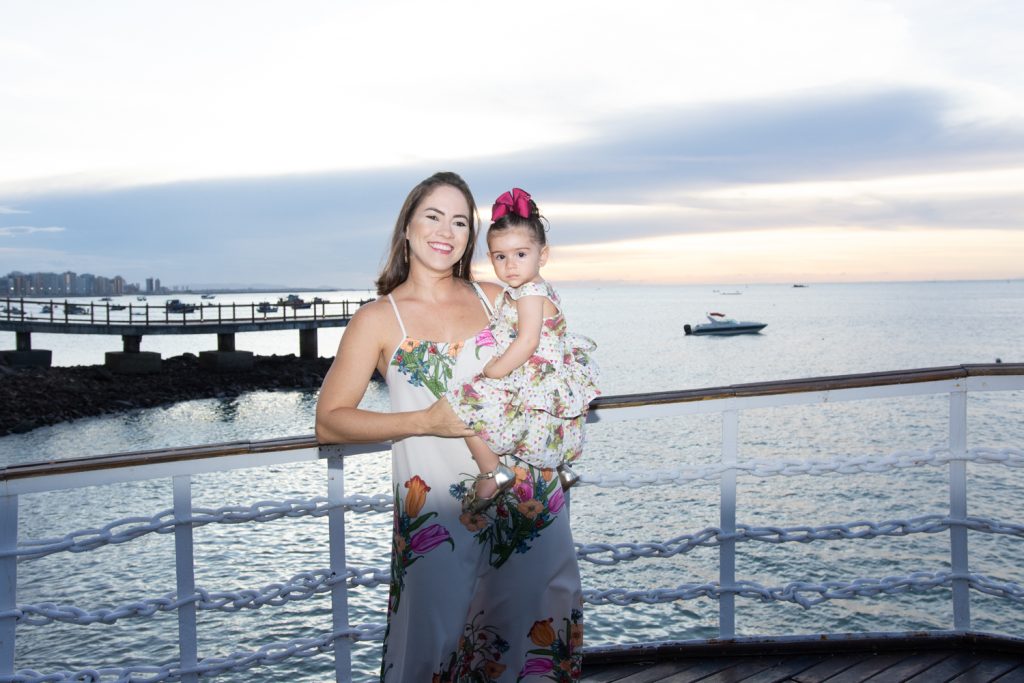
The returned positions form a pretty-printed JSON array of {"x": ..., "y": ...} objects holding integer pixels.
[{"x": 441, "y": 420}]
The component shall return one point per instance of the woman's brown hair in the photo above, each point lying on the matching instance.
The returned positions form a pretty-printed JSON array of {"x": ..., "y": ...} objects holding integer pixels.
[{"x": 396, "y": 269}]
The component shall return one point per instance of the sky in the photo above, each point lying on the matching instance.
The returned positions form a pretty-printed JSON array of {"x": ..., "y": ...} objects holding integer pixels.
[{"x": 255, "y": 143}]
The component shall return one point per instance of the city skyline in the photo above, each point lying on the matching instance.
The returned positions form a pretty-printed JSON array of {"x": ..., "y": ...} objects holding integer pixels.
[
  {"x": 774, "y": 141},
  {"x": 69, "y": 283}
]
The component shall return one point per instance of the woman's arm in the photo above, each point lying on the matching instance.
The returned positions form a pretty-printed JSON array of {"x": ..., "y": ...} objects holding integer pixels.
[
  {"x": 338, "y": 420},
  {"x": 530, "y": 310}
]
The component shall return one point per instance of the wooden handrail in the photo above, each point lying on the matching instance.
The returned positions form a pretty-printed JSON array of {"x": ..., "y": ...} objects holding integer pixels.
[{"x": 777, "y": 387}]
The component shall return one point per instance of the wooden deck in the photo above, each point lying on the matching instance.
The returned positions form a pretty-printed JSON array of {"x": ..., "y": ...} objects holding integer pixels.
[
  {"x": 959, "y": 659},
  {"x": 890, "y": 667}
]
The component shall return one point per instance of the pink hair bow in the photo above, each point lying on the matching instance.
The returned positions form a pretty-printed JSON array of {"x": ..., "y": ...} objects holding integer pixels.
[{"x": 517, "y": 201}]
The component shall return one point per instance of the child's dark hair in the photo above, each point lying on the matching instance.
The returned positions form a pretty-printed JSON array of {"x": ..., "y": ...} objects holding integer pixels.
[{"x": 516, "y": 209}]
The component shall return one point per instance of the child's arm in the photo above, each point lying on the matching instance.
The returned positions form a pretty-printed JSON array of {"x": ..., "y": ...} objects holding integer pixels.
[{"x": 531, "y": 316}]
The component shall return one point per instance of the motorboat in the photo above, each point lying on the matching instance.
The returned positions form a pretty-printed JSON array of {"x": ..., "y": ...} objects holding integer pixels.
[
  {"x": 178, "y": 306},
  {"x": 266, "y": 307},
  {"x": 207, "y": 296},
  {"x": 719, "y": 324},
  {"x": 294, "y": 301},
  {"x": 75, "y": 309}
]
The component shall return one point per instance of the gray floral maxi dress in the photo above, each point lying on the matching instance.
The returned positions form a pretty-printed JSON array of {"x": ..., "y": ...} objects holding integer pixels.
[{"x": 491, "y": 597}]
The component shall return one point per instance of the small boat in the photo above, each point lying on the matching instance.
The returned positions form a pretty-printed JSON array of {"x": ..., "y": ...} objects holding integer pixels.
[
  {"x": 177, "y": 306},
  {"x": 13, "y": 310},
  {"x": 140, "y": 298},
  {"x": 294, "y": 301},
  {"x": 46, "y": 309},
  {"x": 75, "y": 309},
  {"x": 719, "y": 324},
  {"x": 266, "y": 307},
  {"x": 207, "y": 296},
  {"x": 118, "y": 307},
  {"x": 106, "y": 298}
]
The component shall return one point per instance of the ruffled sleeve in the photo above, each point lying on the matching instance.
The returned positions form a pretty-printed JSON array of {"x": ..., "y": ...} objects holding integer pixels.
[{"x": 531, "y": 289}]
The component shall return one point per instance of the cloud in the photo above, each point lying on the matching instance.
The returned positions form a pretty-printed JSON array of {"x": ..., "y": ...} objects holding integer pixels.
[
  {"x": 835, "y": 158},
  {"x": 17, "y": 230},
  {"x": 10, "y": 210}
]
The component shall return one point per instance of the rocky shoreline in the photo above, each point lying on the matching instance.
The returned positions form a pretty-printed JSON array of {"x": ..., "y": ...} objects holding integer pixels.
[{"x": 35, "y": 397}]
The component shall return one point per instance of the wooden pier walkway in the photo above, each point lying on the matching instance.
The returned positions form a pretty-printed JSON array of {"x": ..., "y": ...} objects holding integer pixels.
[
  {"x": 894, "y": 667},
  {"x": 959, "y": 658}
]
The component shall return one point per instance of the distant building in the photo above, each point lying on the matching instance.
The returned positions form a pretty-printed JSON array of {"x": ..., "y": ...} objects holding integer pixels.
[{"x": 54, "y": 285}]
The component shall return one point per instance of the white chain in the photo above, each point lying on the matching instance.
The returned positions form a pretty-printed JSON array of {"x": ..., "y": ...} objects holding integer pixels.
[
  {"x": 300, "y": 587},
  {"x": 797, "y": 590},
  {"x": 803, "y": 593},
  {"x": 130, "y": 528},
  {"x": 211, "y": 666},
  {"x": 309, "y": 583},
  {"x": 612, "y": 553}
]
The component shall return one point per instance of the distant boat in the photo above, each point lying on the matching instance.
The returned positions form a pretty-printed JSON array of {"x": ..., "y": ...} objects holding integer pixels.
[
  {"x": 13, "y": 310},
  {"x": 140, "y": 298},
  {"x": 178, "y": 306},
  {"x": 799, "y": 285},
  {"x": 294, "y": 301},
  {"x": 732, "y": 293},
  {"x": 118, "y": 307},
  {"x": 106, "y": 298},
  {"x": 720, "y": 325},
  {"x": 266, "y": 307},
  {"x": 207, "y": 296},
  {"x": 75, "y": 309}
]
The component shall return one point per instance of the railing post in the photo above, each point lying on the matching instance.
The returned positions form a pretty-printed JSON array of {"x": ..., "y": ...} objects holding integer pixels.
[
  {"x": 185, "y": 572},
  {"x": 727, "y": 523},
  {"x": 336, "y": 534},
  {"x": 958, "y": 508},
  {"x": 8, "y": 580}
]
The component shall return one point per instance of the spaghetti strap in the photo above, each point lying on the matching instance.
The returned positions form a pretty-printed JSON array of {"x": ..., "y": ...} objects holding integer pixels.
[
  {"x": 405, "y": 334},
  {"x": 483, "y": 299}
]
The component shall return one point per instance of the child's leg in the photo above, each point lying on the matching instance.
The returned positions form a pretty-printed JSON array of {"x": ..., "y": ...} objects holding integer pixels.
[{"x": 486, "y": 460}]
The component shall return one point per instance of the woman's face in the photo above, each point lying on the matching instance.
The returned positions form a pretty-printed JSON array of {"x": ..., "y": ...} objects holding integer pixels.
[{"x": 439, "y": 230}]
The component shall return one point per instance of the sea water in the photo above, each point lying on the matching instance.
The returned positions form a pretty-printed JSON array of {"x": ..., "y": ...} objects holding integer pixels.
[{"x": 822, "y": 329}]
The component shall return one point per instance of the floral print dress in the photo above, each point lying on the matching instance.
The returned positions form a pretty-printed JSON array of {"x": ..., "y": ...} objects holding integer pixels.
[
  {"x": 536, "y": 412},
  {"x": 481, "y": 598}
]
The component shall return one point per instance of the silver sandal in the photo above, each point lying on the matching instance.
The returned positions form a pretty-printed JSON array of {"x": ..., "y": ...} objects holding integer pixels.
[
  {"x": 567, "y": 476},
  {"x": 503, "y": 477}
]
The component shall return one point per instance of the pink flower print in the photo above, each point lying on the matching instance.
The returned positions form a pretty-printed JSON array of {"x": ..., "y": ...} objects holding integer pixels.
[
  {"x": 536, "y": 667},
  {"x": 556, "y": 501},
  {"x": 524, "y": 490},
  {"x": 485, "y": 338},
  {"x": 427, "y": 539}
]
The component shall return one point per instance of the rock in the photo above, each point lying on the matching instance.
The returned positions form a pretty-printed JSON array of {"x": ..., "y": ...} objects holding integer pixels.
[{"x": 34, "y": 397}]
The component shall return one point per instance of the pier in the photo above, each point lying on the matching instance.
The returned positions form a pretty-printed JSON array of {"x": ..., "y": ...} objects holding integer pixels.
[
  {"x": 134, "y": 321},
  {"x": 957, "y": 650}
]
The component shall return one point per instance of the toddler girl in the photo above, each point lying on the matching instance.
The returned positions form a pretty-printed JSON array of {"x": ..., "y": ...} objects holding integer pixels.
[{"x": 531, "y": 399}]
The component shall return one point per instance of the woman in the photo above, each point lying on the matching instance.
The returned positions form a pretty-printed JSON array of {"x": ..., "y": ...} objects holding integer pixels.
[{"x": 473, "y": 597}]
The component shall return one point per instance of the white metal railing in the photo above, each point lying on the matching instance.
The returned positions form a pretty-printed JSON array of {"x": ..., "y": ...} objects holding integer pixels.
[{"x": 181, "y": 464}]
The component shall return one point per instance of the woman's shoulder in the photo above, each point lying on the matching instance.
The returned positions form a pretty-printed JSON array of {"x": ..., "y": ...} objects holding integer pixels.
[
  {"x": 373, "y": 315},
  {"x": 491, "y": 289}
]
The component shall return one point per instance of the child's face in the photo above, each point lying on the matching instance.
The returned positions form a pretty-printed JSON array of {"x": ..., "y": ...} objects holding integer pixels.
[{"x": 516, "y": 257}]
